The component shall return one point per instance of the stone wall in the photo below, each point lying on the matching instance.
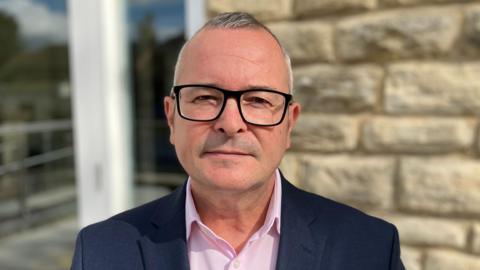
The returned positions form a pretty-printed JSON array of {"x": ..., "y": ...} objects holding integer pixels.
[{"x": 391, "y": 97}]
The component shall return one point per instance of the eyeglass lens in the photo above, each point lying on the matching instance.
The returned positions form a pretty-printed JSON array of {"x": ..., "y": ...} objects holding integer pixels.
[{"x": 257, "y": 107}]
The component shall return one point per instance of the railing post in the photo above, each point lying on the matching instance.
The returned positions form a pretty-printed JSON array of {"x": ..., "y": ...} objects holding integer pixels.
[{"x": 23, "y": 194}]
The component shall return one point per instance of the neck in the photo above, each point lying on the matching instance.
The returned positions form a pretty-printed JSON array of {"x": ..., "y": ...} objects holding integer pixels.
[{"x": 234, "y": 216}]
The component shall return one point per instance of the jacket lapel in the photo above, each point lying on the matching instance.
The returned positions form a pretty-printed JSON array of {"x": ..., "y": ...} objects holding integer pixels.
[
  {"x": 165, "y": 247},
  {"x": 299, "y": 247}
]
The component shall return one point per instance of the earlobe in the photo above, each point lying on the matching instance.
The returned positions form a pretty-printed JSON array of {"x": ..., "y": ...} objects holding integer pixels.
[
  {"x": 169, "y": 108},
  {"x": 293, "y": 114}
]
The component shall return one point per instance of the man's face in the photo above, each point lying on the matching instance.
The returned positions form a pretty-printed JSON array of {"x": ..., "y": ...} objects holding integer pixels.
[{"x": 228, "y": 154}]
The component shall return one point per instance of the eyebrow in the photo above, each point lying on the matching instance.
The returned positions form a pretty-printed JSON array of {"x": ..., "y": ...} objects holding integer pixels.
[
  {"x": 261, "y": 87},
  {"x": 250, "y": 86}
]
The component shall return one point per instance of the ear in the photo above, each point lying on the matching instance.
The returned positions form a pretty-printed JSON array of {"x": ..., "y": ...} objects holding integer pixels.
[
  {"x": 169, "y": 107},
  {"x": 293, "y": 114}
]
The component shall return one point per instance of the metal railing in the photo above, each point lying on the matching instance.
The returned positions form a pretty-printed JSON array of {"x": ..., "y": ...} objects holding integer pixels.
[{"x": 16, "y": 168}]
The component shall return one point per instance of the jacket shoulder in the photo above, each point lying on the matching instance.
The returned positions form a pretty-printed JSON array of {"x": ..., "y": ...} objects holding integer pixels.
[
  {"x": 139, "y": 218},
  {"x": 366, "y": 241},
  {"x": 338, "y": 216}
]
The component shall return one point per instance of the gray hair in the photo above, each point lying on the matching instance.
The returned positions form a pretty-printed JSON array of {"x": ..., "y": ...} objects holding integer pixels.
[{"x": 239, "y": 20}]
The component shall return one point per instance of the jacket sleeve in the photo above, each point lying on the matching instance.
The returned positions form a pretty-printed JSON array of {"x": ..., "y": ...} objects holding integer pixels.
[
  {"x": 395, "y": 260},
  {"x": 77, "y": 261}
]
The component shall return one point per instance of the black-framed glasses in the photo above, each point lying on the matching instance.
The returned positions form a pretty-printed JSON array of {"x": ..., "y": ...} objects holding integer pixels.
[{"x": 262, "y": 107}]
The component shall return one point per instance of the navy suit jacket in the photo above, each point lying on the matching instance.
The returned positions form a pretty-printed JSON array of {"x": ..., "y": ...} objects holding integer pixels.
[{"x": 316, "y": 233}]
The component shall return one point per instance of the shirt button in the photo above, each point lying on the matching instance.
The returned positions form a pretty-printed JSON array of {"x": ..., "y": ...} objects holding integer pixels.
[{"x": 236, "y": 264}]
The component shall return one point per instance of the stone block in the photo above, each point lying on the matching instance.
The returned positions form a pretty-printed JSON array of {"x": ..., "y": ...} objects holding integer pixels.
[
  {"x": 440, "y": 185},
  {"x": 476, "y": 239},
  {"x": 418, "y": 135},
  {"x": 398, "y": 34},
  {"x": 425, "y": 231},
  {"x": 412, "y": 2},
  {"x": 360, "y": 181},
  {"x": 472, "y": 27},
  {"x": 265, "y": 10},
  {"x": 433, "y": 88},
  {"x": 313, "y": 7},
  {"x": 324, "y": 88},
  {"x": 448, "y": 260},
  {"x": 411, "y": 258},
  {"x": 305, "y": 41},
  {"x": 325, "y": 133}
]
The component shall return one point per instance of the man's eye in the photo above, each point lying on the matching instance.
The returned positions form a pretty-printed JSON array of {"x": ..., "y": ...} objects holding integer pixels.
[
  {"x": 258, "y": 101},
  {"x": 205, "y": 98}
]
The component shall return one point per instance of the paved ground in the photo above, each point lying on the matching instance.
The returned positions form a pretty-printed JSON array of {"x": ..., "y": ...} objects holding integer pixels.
[{"x": 50, "y": 247}]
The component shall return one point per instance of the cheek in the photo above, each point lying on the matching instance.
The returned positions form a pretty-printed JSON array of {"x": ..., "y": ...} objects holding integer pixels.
[
  {"x": 285, "y": 139},
  {"x": 185, "y": 145},
  {"x": 275, "y": 142},
  {"x": 189, "y": 138},
  {"x": 283, "y": 135}
]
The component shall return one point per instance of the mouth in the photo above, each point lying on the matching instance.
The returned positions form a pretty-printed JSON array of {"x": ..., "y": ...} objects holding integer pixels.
[{"x": 226, "y": 153}]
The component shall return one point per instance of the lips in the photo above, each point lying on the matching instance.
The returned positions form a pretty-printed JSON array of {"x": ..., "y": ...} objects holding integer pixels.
[{"x": 227, "y": 153}]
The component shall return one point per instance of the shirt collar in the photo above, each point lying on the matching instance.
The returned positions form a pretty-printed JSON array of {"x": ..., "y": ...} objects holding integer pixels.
[{"x": 271, "y": 219}]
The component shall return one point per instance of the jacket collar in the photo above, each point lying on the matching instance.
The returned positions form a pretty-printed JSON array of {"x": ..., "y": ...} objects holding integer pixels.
[
  {"x": 165, "y": 246},
  {"x": 299, "y": 248}
]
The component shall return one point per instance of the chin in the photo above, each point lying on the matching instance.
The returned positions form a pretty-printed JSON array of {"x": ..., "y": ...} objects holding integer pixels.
[{"x": 230, "y": 179}]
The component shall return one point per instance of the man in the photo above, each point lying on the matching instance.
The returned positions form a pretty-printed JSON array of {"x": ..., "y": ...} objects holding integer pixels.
[{"x": 230, "y": 116}]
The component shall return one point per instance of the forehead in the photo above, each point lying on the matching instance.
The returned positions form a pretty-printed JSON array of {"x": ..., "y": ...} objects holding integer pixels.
[{"x": 234, "y": 59}]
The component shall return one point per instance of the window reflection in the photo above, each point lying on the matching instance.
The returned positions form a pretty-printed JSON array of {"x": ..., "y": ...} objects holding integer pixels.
[
  {"x": 156, "y": 35},
  {"x": 35, "y": 128}
]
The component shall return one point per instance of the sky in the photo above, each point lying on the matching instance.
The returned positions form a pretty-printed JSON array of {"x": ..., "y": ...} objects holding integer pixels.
[
  {"x": 45, "y": 21},
  {"x": 38, "y": 22},
  {"x": 168, "y": 14}
]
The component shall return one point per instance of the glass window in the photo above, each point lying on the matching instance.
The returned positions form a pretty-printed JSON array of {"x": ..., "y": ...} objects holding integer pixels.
[
  {"x": 36, "y": 153},
  {"x": 156, "y": 31}
]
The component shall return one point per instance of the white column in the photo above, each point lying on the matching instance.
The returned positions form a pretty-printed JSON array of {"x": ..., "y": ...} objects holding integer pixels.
[
  {"x": 195, "y": 16},
  {"x": 101, "y": 107}
]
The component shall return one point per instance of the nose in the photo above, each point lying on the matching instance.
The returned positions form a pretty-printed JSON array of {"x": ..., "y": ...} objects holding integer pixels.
[{"x": 230, "y": 121}]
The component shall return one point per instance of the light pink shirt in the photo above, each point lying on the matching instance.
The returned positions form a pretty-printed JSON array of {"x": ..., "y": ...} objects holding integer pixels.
[{"x": 207, "y": 251}]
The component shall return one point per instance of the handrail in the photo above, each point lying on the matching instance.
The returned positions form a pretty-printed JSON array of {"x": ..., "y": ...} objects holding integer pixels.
[
  {"x": 35, "y": 127},
  {"x": 36, "y": 160},
  {"x": 45, "y": 127}
]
